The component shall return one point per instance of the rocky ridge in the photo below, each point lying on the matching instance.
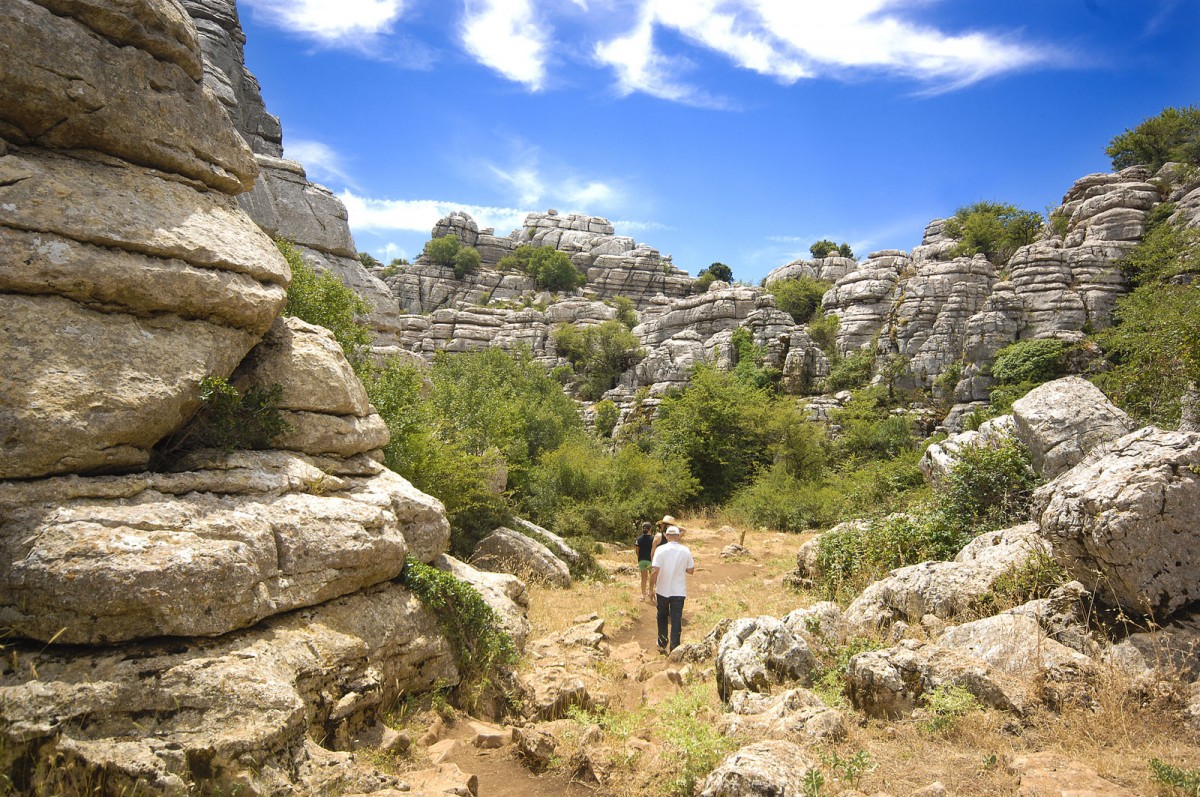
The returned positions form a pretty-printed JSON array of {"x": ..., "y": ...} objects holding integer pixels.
[{"x": 179, "y": 618}]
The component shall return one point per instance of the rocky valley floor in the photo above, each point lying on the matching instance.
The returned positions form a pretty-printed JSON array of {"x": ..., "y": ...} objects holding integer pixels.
[{"x": 646, "y": 725}]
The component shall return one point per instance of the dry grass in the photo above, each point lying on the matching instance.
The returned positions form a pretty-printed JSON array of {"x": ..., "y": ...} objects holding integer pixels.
[{"x": 554, "y": 610}]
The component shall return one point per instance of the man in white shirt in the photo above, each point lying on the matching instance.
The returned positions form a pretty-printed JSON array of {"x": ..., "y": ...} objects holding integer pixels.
[{"x": 671, "y": 566}]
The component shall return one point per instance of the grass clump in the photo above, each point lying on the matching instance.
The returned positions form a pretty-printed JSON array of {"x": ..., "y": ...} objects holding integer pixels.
[
  {"x": 1175, "y": 780},
  {"x": 945, "y": 705},
  {"x": 692, "y": 745}
]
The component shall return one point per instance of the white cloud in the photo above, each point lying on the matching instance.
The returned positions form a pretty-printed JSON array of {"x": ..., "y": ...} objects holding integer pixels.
[
  {"x": 420, "y": 215},
  {"x": 321, "y": 163},
  {"x": 790, "y": 40},
  {"x": 345, "y": 22},
  {"x": 533, "y": 185},
  {"x": 502, "y": 35}
]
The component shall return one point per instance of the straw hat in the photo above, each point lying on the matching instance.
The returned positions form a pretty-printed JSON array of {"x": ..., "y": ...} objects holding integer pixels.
[{"x": 666, "y": 521}]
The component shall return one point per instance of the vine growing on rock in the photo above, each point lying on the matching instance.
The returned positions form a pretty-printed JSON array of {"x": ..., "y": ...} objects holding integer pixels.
[{"x": 471, "y": 626}]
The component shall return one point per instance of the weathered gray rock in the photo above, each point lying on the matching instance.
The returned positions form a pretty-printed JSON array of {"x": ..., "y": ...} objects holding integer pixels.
[
  {"x": 174, "y": 283},
  {"x": 887, "y": 683},
  {"x": 762, "y": 769},
  {"x": 506, "y": 595},
  {"x": 234, "y": 714},
  {"x": 557, "y": 545},
  {"x": 1124, "y": 523},
  {"x": 508, "y": 551},
  {"x": 200, "y": 552},
  {"x": 757, "y": 651},
  {"x": 794, "y": 713},
  {"x": 943, "y": 589},
  {"x": 830, "y": 269},
  {"x": 1015, "y": 643},
  {"x": 940, "y": 458},
  {"x": 1061, "y": 421},
  {"x": 85, "y": 76}
]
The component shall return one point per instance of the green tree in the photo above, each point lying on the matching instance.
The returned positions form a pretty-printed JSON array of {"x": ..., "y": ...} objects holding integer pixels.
[
  {"x": 1173, "y": 135},
  {"x": 607, "y": 415},
  {"x": 466, "y": 261},
  {"x": 827, "y": 248},
  {"x": 598, "y": 354},
  {"x": 994, "y": 229},
  {"x": 442, "y": 251},
  {"x": 551, "y": 269},
  {"x": 368, "y": 260},
  {"x": 719, "y": 426},
  {"x": 626, "y": 310},
  {"x": 799, "y": 297},
  {"x": 719, "y": 271},
  {"x": 323, "y": 300}
]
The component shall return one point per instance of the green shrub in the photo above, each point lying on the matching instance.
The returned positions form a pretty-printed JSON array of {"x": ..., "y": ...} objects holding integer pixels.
[
  {"x": 989, "y": 487},
  {"x": 718, "y": 271},
  {"x": 1173, "y": 135},
  {"x": 323, "y": 300},
  {"x": 1001, "y": 399},
  {"x": 368, "y": 260},
  {"x": 827, "y": 248},
  {"x": 851, "y": 372},
  {"x": 582, "y": 489},
  {"x": 1034, "y": 361},
  {"x": 693, "y": 746},
  {"x": 442, "y": 251},
  {"x": 1035, "y": 578},
  {"x": 1177, "y": 779},
  {"x": 799, "y": 297},
  {"x": 1060, "y": 223},
  {"x": 598, "y": 354},
  {"x": 778, "y": 500},
  {"x": 823, "y": 330},
  {"x": 607, "y": 415},
  {"x": 551, "y": 269},
  {"x": 997, "y": 230},
  {"x": 946, "y": 705},
  {"x": 466, "y": 261},
  {"x": 1168, "y": 250},
  {"x": 720, "y": 426},
  {"x": 228, "y": 419},
  {"x": 626, "y": 310},
  {"x": 471, "y": 626}
]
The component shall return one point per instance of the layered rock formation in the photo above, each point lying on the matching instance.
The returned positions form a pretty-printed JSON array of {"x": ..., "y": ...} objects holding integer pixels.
[
  {"x": 615, "y": 265},
  {"x": 132, "y": 275},
  {"x": 283, "y": 202}
]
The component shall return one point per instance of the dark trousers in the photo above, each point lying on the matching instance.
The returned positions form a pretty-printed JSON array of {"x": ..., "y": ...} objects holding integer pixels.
[{"x": 672, "y": 607}]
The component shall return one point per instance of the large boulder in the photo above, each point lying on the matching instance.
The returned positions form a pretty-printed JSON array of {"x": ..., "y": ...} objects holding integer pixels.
[
  {"x": 505, "y": 594},
  {"x": 1061, "y": 421},
  {"x": 173, "y": 283},
  {"x": 508, "y": 551},
  {"x": 796, "y": 712},
  {"x": 202, "y": 551},
  {"x": 944, "y": 589},
  {"x": 888, "y": 683},
  {"x": 762, "y": 769},
  {"x": 757, "y": 651},
  {"x": 255, "y": 711},
  {"x": 1127, "y": 523},
  {"x": 93, "y": 75}
]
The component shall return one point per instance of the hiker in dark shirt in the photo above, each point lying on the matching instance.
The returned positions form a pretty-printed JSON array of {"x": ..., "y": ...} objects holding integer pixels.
[{"x": 644, "y": 546}]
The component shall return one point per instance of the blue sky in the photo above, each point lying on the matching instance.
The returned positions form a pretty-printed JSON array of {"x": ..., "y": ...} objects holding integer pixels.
[{"x": 738, "y": 131}]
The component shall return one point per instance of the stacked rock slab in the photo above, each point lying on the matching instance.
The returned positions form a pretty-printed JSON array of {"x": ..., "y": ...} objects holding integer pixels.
[
  {"x": 615, "y": 265},
  {"x": 129, "y": 250},
  {"x": 132, "y": 274},
  {"x": 283, "y": 201}
]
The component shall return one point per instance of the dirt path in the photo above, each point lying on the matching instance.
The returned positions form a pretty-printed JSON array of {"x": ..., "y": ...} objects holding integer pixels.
[{"x": 500, "y": 772}]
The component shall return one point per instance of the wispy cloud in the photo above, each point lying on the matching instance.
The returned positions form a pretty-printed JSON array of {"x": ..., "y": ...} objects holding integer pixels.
[
  {"x": 420, "y": 215},
  {"x": 532, "y": 183},
  {"x": 503, "y": 35},
  {"x": 321, "y": 162},
  {"x": 344, "y": 23},
  {"x": 788, "y": 41}
]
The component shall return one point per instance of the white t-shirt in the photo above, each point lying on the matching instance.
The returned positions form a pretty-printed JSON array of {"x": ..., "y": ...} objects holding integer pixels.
[{"x": 673, "y": 560}]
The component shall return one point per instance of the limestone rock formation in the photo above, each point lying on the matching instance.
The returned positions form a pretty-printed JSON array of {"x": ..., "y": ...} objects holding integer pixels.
[
  {"x": 943, "y": 589},
  {"x": 146, "y": 261},
  {"x": 1061, "y": 421},
  {"x": 758, "y": 770},
  {"x": 795, "y": 713},
  {"x": 940, "y": 458},
  {"x": 1125, "y": 522},
  {"x": 614, "y": 265},
  {"x": 232, "y": 714},
  {"x": 508, "y": 551},
  {"x": 757, "y": 651},
  {"x": 505, "y": 594},
  {"x": 830, "y": 269},
  {"x": 283, "y": 202}
]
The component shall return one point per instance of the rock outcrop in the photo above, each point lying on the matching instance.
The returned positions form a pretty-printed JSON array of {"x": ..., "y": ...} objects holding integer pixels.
[
  {"x": 1124, "y": 523},
  {"x": 283, "y": 202},
  {"x": 508, "y": 551},
  {"x": 133, "y": 252},
  {"x": 1061, "y": 421}
]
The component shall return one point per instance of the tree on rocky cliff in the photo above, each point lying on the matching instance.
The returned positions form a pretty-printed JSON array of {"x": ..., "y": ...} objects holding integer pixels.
[
  {"x": 1173, "y": 135},
  {"x": 994, "y": 229},
  {"x": 551, "y": 269},
  {"x": 827, "y": 248}
]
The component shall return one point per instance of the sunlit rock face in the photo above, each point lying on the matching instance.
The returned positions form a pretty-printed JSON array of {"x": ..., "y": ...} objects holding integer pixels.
[{"x": 131, "y": 271}]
